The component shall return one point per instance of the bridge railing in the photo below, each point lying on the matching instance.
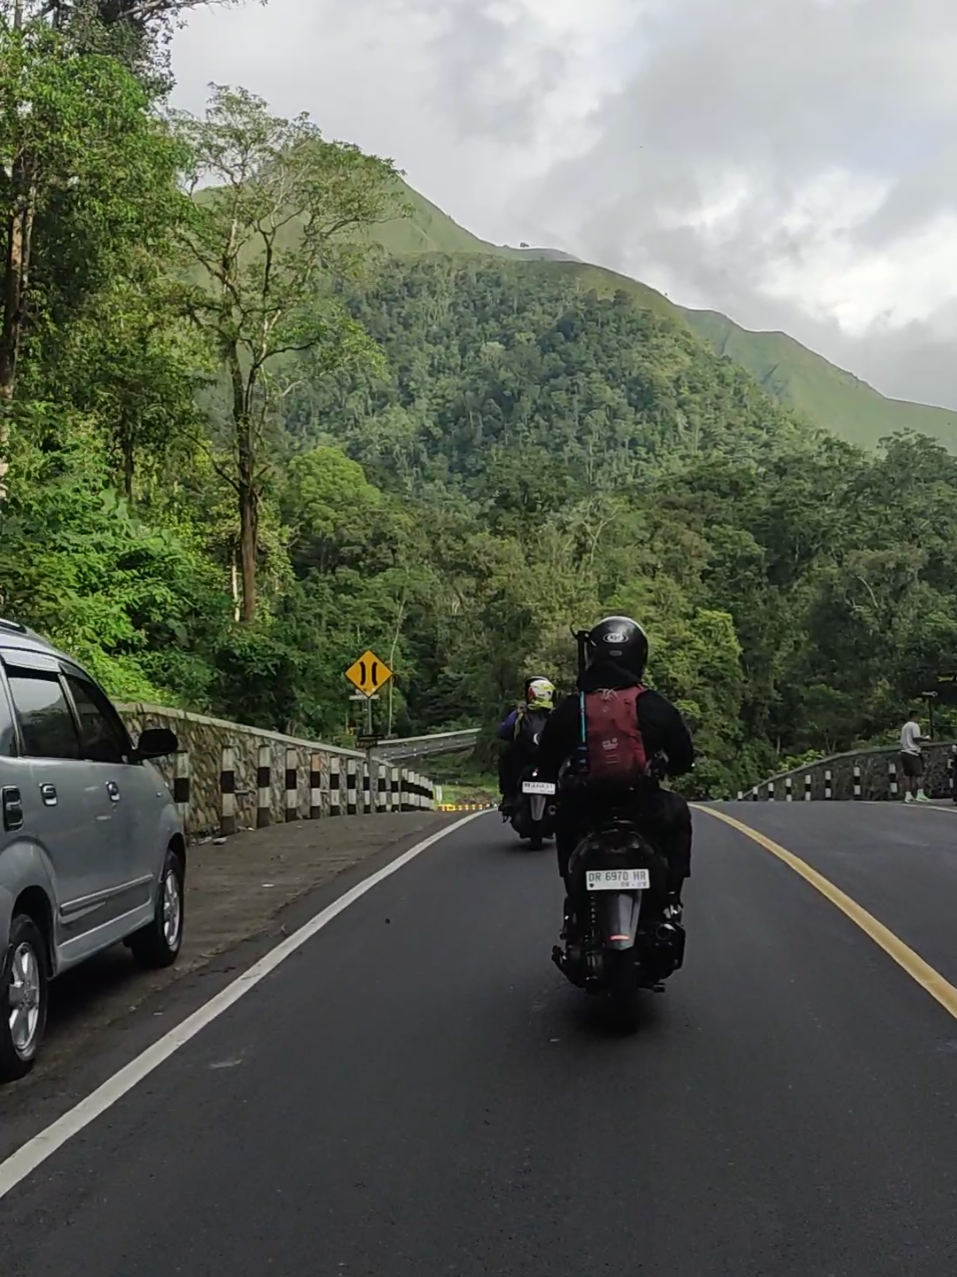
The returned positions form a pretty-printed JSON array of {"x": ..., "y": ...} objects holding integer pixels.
[
  {"x": 421, "y": 746},
  {"x": 868, "y": 774},
  {"x": 228, "y": 776}
]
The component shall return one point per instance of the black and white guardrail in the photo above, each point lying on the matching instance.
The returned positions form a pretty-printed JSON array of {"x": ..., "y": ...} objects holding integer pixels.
[
  {"x": 870, "y": 775},
  {"x": 370, "y": 787},
  {"x": 420, "y": 746},
  {"x": 228, "y": 776}
]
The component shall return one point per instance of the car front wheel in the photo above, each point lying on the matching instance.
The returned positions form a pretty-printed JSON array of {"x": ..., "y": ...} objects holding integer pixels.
[
  {"x": 23, "y": 999},
  {"x": 158, "y": 944}
]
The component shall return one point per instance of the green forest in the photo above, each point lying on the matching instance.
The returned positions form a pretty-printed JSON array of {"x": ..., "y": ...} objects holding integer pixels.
[{"x": 241, "y": 441}]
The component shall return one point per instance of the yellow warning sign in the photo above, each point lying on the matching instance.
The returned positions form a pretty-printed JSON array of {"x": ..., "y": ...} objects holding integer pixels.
[{"x": 368, "y": 674}]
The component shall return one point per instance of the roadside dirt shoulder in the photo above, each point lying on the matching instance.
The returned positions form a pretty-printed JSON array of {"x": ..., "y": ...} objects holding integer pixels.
[{"x": 235, "y": 891}]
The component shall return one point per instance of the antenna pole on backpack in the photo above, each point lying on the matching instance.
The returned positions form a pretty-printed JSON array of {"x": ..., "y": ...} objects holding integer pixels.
[{"x": 581, "y": 637}]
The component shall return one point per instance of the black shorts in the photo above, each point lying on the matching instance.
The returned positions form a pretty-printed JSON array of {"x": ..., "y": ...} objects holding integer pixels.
[{"x": 912, "y": 765}]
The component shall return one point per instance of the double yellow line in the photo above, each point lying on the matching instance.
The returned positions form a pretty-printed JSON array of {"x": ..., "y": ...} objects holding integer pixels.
[{"x": 915, "y": 966}]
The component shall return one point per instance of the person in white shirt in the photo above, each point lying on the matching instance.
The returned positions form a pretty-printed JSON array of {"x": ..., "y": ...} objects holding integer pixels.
[{"x": 912, "y": 760}]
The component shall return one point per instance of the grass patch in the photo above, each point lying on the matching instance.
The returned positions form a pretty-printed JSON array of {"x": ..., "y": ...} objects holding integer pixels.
[{"x": 463, "y": 780}]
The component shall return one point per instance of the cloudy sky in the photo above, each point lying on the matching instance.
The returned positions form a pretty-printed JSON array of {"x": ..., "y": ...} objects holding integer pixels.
[{"x": 792, "y": 163}]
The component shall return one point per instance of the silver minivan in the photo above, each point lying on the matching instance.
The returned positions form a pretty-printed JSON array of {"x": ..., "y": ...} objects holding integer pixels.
[{"x": 92, "y": 849}]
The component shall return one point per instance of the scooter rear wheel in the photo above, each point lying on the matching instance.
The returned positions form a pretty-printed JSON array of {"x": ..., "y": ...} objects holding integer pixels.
[{"x": 624, "y": 992}]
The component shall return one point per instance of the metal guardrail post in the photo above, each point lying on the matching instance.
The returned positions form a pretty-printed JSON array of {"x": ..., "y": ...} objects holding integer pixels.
[
  {"x": 352, "y": 806},
  {"x": 335, "y": 791},
  {"x": 227, "y": 791},
  {"x": 315, "y": 786},
  {"x": 263, "y": 786},
  {"x": 181, "y": 786},
  {"x": 292, "y": 784}
]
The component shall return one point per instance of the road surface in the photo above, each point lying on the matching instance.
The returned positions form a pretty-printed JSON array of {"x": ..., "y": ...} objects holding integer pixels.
[{"x": 417, "y": 1091}]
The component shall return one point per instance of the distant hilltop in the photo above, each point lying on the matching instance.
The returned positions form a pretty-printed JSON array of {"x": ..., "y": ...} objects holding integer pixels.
[
  {"x": 822, "y": 393},
  {"x": 542, "y": 254}
]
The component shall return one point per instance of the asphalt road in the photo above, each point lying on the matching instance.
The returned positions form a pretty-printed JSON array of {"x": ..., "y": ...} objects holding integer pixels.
[{"x": 417, "y": 1092}]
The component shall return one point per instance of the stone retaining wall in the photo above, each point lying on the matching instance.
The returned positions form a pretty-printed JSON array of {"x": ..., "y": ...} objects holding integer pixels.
[
  {"x": 874, "y": 778},
  {"x": 202, "y": 741}
]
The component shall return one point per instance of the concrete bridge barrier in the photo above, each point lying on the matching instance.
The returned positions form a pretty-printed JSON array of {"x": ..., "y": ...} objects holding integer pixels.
[
  {"x": 872, "y": 775},
  {"x": 228, "y": 776}
]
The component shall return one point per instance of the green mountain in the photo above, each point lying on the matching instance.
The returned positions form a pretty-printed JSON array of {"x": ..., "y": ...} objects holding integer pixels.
[
  {"x": 827, "y": 395},
  {"x": 429, "y": 230},
  {"x": 833, "y": 398}
]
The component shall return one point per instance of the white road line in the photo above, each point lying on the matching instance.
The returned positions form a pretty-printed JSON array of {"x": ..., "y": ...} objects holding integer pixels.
[{"x": 36, "y": 1151}]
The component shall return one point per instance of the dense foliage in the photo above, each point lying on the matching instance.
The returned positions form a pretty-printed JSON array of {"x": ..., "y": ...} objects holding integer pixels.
[{"x": 457, "y": 460}]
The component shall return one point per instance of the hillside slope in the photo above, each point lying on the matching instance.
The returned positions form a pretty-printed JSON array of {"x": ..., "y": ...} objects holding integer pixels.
[
  {"x": 830, "y": 397},
  {"x": 833, "y": 398},
  {"x": 429, "y": 230},
  {"x": 496, "y": 366}
]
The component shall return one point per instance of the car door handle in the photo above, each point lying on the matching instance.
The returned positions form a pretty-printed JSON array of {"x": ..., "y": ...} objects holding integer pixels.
[
  {"x": 113, "y": 789},
  {"x": 48, "y": 794},
  {"x": 12, "y": 807}
]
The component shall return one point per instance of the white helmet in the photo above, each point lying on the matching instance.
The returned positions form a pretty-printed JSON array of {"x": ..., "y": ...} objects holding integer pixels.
[{"x": 541, "y": 694}]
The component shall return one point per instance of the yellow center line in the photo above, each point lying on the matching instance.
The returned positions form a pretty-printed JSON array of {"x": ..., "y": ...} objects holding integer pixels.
[{"x": 915, "y": 966}]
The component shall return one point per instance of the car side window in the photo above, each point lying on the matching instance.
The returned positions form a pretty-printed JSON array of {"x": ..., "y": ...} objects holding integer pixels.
[
  {"x": 103, "y": 736},
  {"x": 46, "y": 724},
  {"x": 8, "y": 731}
]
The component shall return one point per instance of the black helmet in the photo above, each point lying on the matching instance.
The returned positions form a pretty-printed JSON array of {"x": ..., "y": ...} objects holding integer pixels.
[{"x": 620, "y": 641}]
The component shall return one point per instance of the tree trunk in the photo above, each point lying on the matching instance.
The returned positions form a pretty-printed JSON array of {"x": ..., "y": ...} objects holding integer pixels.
[
  {"x": 248, "y": 542},
  {"x": 4, "y": 441},
  {"x": 129, "y": 460},
  {"x": 234, "y": 586},
  {"x": 19, "y": 225},
  {"x": 9, "y": 330},
  {"x": 397, "y": 634},
  {"x": 19, "y": 233},
  {"x": 247, "y": 490},
  {"x": 245, "y": 483}
]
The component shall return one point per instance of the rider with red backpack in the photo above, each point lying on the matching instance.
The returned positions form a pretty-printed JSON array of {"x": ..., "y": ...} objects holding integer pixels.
[{"x": 610, "y": 742}]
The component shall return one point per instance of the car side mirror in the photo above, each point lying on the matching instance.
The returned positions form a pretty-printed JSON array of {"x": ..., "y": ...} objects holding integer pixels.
[{"x": 156, "y": 742}]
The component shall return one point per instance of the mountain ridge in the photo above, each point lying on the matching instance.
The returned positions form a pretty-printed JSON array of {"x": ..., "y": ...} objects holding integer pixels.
[{"x": 831, "y": 397}]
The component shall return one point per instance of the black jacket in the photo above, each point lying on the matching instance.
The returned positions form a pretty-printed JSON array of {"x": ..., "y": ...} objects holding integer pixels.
[{"x": 661, "y": 725}]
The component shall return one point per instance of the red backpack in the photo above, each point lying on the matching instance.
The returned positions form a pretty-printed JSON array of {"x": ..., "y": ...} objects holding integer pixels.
[{"x": 616, "y": 751}]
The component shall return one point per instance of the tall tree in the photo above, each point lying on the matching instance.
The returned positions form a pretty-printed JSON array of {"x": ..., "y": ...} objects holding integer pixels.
[
  {"x": 279, "y": 214},
  {"x": 86, "y": 171}
]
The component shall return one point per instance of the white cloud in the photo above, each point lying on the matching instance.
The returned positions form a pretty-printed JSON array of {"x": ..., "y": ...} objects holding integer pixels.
[
  {"x": 789, "y": 162},
  {"x": 864, "y": 289}
]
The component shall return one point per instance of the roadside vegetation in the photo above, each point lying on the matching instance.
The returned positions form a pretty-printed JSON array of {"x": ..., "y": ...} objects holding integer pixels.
[{"x": 242, "y": 441}]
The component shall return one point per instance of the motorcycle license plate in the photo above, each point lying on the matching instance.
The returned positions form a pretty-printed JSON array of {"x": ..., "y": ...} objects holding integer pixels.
[
  {"x": 618, "y": 880},
  {"x": 537, "y": 787}
]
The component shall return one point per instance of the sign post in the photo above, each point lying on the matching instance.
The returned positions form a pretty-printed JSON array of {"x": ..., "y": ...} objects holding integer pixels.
[
  {"x": 367, "y": 675},
  {"x": 361, "y": 741}
]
